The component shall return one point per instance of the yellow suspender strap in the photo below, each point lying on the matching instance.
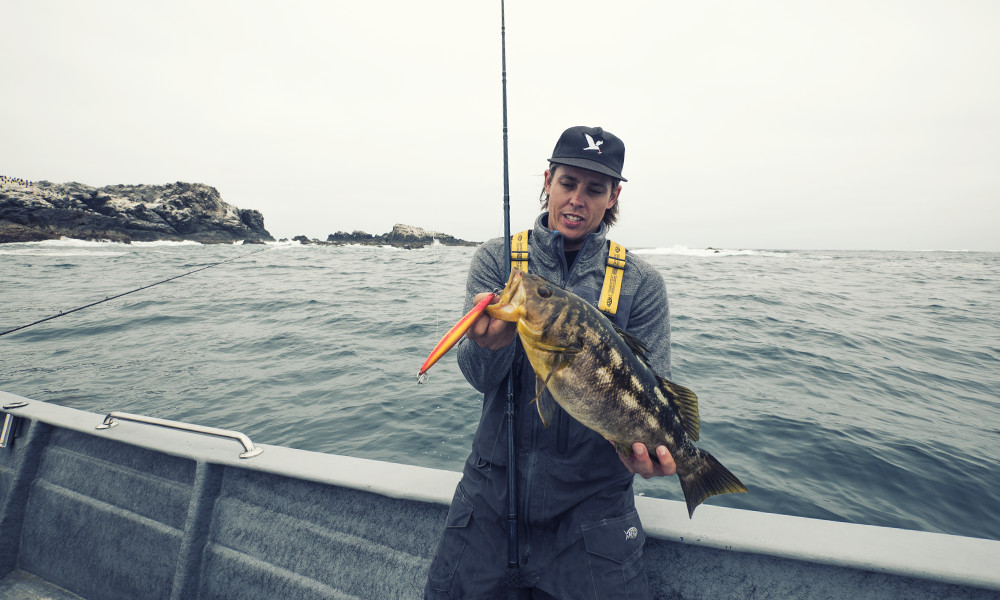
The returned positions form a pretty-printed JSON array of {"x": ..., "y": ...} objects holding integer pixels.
[
  {"x": 519, "y": 251},
  {"x": 613, "y": 276}
]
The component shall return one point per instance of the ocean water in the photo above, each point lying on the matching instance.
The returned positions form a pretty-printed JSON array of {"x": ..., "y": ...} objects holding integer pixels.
[{"x": 851, "y": 386}]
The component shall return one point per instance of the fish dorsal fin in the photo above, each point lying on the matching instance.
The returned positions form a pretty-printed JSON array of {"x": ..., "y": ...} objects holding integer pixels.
[
  {"x": 633, "y": 343},
  {"x": 686, "y": 403}
]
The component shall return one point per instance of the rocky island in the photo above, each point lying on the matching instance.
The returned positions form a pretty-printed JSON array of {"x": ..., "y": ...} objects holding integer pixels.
[
  {"x": 401, "y": 236},
  {"x": 35, "y": 211}
]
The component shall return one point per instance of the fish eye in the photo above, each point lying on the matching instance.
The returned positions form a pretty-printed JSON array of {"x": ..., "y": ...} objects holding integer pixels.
[{"x": 544, "y": 291}]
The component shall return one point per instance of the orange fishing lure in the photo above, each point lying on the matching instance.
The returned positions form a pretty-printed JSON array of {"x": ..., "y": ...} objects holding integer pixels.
[{"x": 454, "y": 334}]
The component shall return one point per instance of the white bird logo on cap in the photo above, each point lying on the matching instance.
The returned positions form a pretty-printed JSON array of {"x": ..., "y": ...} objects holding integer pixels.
[{"x": 593, "y": 145}]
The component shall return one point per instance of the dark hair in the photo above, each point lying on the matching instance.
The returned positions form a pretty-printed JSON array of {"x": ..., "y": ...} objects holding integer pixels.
[{"x": 610, "y": 215}]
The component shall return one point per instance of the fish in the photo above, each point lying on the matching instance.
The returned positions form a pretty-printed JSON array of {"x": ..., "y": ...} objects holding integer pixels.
[{"x": 599, "y": 375}]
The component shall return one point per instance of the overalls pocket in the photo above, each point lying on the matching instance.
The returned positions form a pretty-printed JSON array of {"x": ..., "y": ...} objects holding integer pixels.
[
  {"x": 453, "y": 542},
  {"x": 614, "y": 551}
]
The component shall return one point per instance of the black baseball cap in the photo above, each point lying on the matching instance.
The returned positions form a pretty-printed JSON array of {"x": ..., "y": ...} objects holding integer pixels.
[{"x": 591, "y": 148}]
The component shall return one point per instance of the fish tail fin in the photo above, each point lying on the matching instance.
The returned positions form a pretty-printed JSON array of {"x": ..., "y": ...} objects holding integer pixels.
[{"x": 704, "y": 477}]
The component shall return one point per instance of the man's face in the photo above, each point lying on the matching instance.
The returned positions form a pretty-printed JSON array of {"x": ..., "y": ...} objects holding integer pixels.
[{"x": 577, "y": 201}]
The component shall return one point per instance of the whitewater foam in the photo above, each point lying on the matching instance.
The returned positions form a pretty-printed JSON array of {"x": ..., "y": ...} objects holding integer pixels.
[{"x": 708, "y": 252}]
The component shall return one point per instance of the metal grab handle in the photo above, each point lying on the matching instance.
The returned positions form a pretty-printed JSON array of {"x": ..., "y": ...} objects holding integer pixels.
[
  {"x": 9, "y": 422},
  {"x": 113, "y": 417}
]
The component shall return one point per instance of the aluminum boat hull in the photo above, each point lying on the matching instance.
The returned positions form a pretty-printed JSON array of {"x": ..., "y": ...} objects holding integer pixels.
[{"x": 147, "y": 511}]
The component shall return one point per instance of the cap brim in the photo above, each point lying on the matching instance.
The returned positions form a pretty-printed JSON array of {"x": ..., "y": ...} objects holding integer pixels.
[{"x": 590, "y": 165}]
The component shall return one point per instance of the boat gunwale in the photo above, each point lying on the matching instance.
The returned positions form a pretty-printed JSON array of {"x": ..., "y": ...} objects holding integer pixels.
[{"x": 932, "y": 556}]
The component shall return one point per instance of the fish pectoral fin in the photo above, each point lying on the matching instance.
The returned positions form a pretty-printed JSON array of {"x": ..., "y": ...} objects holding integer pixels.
[
  {"x": 543, "y": 399},
  {"x": 546, "y": 406},
  {"x": 686, "y": 403}
]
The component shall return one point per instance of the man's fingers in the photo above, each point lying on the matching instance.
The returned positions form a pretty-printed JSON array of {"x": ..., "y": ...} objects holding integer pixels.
[{"x": 667, "y": 465}]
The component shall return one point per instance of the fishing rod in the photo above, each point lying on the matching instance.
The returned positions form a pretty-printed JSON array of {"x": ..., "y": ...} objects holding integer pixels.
[
  {"x": 64, "y": 313},
  {"x": 506, "y": 178},
  {"x": 512, "y": 572}
]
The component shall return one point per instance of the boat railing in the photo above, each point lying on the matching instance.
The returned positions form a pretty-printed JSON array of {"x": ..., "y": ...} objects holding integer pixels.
[{"x": 112, "y": 419}]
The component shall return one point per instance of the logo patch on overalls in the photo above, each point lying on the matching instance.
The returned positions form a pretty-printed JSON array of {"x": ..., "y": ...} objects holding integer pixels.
[{"x": 631, "y": 533}]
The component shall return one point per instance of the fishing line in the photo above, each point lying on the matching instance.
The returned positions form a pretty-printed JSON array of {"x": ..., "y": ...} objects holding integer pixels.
[{"x": 64, "y": 313}]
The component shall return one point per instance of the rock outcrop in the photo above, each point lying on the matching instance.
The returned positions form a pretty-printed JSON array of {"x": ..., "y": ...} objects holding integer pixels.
[
  {"x": 33, "y": 211},
  {"x": 401, "y": 236}
]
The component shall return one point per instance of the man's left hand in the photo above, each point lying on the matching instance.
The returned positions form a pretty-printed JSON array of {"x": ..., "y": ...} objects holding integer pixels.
[{"x": 640, "y": 462}]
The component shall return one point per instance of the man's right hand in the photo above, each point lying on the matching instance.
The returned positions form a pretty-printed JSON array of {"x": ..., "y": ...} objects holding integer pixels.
[{"x": 488, "y": 332}]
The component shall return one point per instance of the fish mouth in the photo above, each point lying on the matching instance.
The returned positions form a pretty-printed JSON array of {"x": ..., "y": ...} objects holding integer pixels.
[{"x": 509, "y": 307}]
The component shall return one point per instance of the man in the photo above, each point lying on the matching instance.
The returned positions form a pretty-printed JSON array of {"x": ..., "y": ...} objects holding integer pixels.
[{"x": 578, "y": 533}]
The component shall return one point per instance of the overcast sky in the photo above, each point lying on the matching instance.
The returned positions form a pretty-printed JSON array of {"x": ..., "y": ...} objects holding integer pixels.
[{"x": 847, "y": 124}]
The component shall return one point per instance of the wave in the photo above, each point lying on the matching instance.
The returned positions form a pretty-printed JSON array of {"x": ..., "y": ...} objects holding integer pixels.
[
  {"x": 710, "y": 252},
  {"x": 61, "y": 247},
  {"x": 167, "y": 243},
  {"x": 67, "y": 242},
  {"x": 66, "y": 246}
]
